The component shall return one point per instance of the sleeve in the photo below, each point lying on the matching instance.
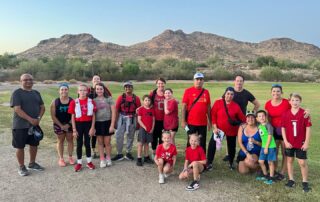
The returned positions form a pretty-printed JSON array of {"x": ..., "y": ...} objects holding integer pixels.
[
  {"x": 214, "y": 112},
  {"x": 307, "y": 122},
  {"x": 174, "y": 153},
  {"x": 41, "y": 101},
  {"x": 270, "y": 129},
  {"x": 139, "y": 111},
  {"x": 186, "y": 155},
  {"x": 15, "y": 99},
  {"x": 138, "y": 102},
  {"x": 111, "y": 101},
  {"x": 118, "y": 103},
  {"x": 202, "y": 154},
  {"x": 209, "y": 99},
  {"x": 158, "y": 151},
  {"x": 250, "y": 97},
  {"x": 185, "y": 98},
  {"x": 283, "y": 120},
  {"x": 171, "y": 106},
  {"x": 94, "y": 106},
  {"x": 71, "y": 107}
]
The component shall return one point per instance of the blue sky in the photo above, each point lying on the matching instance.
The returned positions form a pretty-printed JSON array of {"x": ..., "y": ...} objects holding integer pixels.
[{"x": 25, "y": 23}]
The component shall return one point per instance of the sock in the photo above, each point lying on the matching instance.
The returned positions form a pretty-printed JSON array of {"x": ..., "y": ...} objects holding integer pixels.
[
  {"x": 79, "y": 161},
  {"x": 88, "y": 159}
]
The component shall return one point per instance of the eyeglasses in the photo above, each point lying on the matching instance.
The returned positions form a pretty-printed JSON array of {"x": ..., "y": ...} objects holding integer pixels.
[
  {"x": 276, "y": 85},
  {"x": 27, "y": 79},
  {"x": 199, "y": 79},
  {"x": 128, "y": 86}
]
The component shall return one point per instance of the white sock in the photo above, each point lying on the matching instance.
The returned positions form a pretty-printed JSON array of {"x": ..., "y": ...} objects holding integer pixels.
[
  {"x": 88, "y": 159},
  {"x": 79, "y": 161}
]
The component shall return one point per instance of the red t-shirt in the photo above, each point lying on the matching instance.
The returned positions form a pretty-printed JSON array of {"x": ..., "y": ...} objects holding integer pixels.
[
  {"x": 198, "y": 114},
  {"x": 147, "y": 116},
  {"x": 171, "y": 120},
  {"x": 196, "y": 154},
  {"x": 275, "y": 112},
  {"x": 219, "y": 116},
  {"x": 295, "y": 126},
  {"x": 128, "y": 108},
  {"x": 166, "y": 154},
  {"x": 84, "y": 109},
  {"x": 158, "y": 106}
]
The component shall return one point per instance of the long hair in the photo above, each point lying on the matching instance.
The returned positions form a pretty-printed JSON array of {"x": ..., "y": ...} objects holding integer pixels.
[{"x": 106, "y": 92}]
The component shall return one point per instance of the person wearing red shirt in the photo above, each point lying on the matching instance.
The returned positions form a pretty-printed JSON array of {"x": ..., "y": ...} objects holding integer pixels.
[
  {"x": 199, "y": 112},
  {"x": 146, "y": 120},
  {"x": 195, "y": 162},
  {"x": 126, "y": 106},
  {"x": 223, "y": 121},
  {"x": 171, "y": 118},
  {"x": 296, "y": 132},
  {"x": 82, "y": 112},
  {"x": 157, "y": 101},
  {"x": 166, "y": 156}
]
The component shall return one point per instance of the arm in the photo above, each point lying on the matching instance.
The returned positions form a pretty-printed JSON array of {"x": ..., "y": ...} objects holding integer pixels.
[
  {"x": 113, "y": 119},
  {"x": 166, "y": 110},
  {"x": 174, "y": 158},
  {"x": 74, "y": 129},
  {"x": 141, "y": 123},
  {"x": 242, "y": 147},
  {"x": 54, "y": 118},
  {"x": 305, "y": 145},
  {"x": 183, "y": 115},
  {"x": 153, "y": 123},
  {"x": 209, "y": 117},
  {"x": 267, "y": 144},
  {"x": 286, "y": 143},
  {"x": 256, "y": 104},
  {"x": 92, "y": 131},
  {"x": 22, "y": 114}
]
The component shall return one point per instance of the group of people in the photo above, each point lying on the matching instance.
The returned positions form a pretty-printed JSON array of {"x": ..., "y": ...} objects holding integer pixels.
[{"x": 94, "y": 116}]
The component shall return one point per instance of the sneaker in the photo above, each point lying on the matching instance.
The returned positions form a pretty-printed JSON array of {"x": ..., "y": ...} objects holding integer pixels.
[
  {"x": 62, "y": 163},
  {"x": 95, "y": 155},
  {"x": 77, "y": 167},
  {"x": 90, "y": 166},
  {"x": 71, "y": 161},
  {"x": 109, "y": 163},
  {"x": 166, "y": 175},
  {"x": 103, "y": 164},
  {"x": 161, "y": 178},
  {"x": 118, "y": 157},
  {"x": 147, "y": 159},
  {"x": 35, "y": 166},
  {"x": 269, "y": 181},
  {"x": 290, "y": 184},
  {"x": 279, "y": 176},
  {"x": 209, "y": 167},
  {"x": 193, "y": 186},
  {"x": 305, "y": 187},
  {"x": 231, "y": 167},
  {"x": 23, "y": 171},
  {"x": 226, "y": 158},
  {"x": 261, "y": 177},
  {"x": 139, "y": 162},
  {"x": 129, "y": 157}
]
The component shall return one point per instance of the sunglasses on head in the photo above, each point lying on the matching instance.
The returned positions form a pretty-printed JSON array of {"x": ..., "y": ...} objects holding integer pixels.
[{"x": 276, "y": 85}]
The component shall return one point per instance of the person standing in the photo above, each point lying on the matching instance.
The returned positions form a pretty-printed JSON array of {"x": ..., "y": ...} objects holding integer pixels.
[
  {"x": 196, "y": 104},
  {"x": 28, "y": 110}
]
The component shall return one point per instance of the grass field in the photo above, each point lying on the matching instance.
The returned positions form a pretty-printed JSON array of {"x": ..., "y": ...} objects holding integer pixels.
[{"x": 261, "y": 90}]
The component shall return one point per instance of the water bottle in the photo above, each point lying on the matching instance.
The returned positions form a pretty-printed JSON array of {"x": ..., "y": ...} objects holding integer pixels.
[
  {"x": 218, "y": 144},
  {"x": 250, "y": 144}
]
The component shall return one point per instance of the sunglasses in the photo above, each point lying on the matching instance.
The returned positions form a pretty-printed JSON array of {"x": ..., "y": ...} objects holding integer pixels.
[{"x": 276, "y": 85}]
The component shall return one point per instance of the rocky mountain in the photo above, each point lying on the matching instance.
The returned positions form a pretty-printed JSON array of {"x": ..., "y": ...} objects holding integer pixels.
[{"x": 196, "y": 46}]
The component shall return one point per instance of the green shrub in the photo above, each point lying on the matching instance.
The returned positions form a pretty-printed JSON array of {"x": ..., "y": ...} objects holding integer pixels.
[{"x": 271, "y": 74}]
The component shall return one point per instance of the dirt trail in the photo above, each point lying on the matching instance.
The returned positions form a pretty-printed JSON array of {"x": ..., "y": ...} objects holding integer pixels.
[{"x": 122, "y": 182}]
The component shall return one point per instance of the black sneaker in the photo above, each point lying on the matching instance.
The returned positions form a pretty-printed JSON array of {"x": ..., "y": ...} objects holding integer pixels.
[
  {"x": 95, "y": 155},
  {"x": 209, "y": 167},
  {"x": 193, "y": 186},
  {"x": 147, "y": 159},
  {"x": 35, "y": 166},
  {"x": 139, "y": 162},
  {"x": 129, "y": 157},
  {"x": 290, "y": 184},
  {"x": 305, "y": 187},
  {"x": 226, "y": 158},
  {"x": 231, "y": 167},
  {"x": 118, "y": 157},
  {"x": 23, "y": 171},
  {"x": 279, "y": 176}
]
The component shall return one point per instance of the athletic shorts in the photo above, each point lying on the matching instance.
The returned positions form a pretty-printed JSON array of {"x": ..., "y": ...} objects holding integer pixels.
[
  {"x": 300, "y": 154},
  {"x": 144, "y": 137},
  {"x": 277, "y": 134},
  {"x": 102, "y": 128},
  {"x": 20, "y": 138},
  {"x": 57, "y": 129},
  {"x": 174, "y": 130},
  {"x": 271, "y": 156}
]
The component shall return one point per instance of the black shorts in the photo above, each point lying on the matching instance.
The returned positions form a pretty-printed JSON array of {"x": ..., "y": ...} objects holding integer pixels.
[
  {"x": 277, "y": 133},
  {"x": 174, "y": 130},
  {"x": 300, "y": 154},
  {"x": 144, "y": 137},
  {"x": 57, "y": 129},
  {"x": 20, "y": 138},
  {"x": 102, "y": 128}
]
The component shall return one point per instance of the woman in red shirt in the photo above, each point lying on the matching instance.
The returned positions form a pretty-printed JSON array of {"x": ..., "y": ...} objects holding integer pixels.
[{"x": 226, "y": 115}]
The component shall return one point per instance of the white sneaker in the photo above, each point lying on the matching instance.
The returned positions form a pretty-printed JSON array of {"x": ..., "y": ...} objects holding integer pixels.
[
  {"x": 166, "y": 175},
  {"x": 109, "y": 162},
  {"x": 103, "y": 164},
  {"x": 161, "y": 179}
]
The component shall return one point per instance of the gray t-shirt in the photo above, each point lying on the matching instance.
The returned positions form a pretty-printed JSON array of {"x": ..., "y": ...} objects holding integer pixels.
[
  {"x": 103, "y": 108},
  {"x": 30, "y": 102}
]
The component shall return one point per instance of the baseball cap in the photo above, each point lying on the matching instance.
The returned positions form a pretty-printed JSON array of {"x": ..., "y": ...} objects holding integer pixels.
[
  {"x": 127, "y": 83},
  {"x": 198, "y": 75},
  {"x": 250, "y": 113}
]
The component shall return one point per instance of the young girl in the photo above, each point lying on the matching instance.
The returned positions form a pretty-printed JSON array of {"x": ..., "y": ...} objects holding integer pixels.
[
  {"x": 62, "y": 123},
  {"x": 171, "y": 118},
  {"x": 195, "y": 162},
  {"x": 82, "y": 112},
  {"x": 296, "y": 132},
  {"x": 105, "y": 119},
  {"x": 166, "y": 156},
  {"x": 146, "y": 120}
]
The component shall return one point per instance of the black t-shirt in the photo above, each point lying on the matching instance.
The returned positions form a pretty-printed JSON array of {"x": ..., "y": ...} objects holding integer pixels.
[
  {"x": 62, "y": 111},
  {"x": 30, "y": 102},
  {"x": 242, "y": 98}
]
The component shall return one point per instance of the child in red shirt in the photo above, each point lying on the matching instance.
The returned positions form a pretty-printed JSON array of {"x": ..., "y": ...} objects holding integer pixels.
[
  {"x": 146, "y": 120},
  {"x": 296, "y": 134},
  {"x": 171, "y": 118},
  {"x": 195, "y": 162},
  {"x": 82, "y": 112},
  {"x": 165, "y": 158}
]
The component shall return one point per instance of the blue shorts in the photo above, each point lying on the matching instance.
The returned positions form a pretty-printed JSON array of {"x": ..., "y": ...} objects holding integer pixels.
[{"x": 271, "y": 156}]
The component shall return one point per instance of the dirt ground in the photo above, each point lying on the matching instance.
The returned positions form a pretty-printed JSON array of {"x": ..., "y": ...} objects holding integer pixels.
[{"x": 124, "y": 181}]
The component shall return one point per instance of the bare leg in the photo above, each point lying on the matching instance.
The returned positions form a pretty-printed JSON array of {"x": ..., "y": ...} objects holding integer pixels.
[
  {"x": 263, "y": 167},
  {"x": 107, "y": 143},
  {"x": 304, "y": 169},
  {"x": 33, "y": 153},
  {"x": 20, "y": 156},
  {"x": 69, "y": 138},
  {"x": 60, "y": 144},
  {"x": 290, "y": 167},
  {"x": 101, "y": 146}
]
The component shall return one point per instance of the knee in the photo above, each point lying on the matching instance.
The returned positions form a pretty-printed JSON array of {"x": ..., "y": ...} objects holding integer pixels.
[{"x": 302, "y": 163}]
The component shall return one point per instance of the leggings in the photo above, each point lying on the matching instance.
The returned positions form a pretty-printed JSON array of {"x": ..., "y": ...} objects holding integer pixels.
[
  {"x": 231, "y": 142},
  {"x": 83, "y": 133},
  {"x": 157, "y": 133},
  {"x": 93, "y": 142}
]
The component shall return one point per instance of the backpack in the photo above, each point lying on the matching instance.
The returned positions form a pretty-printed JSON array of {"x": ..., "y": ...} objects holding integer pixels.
[{"x": 127, "y": 104}]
